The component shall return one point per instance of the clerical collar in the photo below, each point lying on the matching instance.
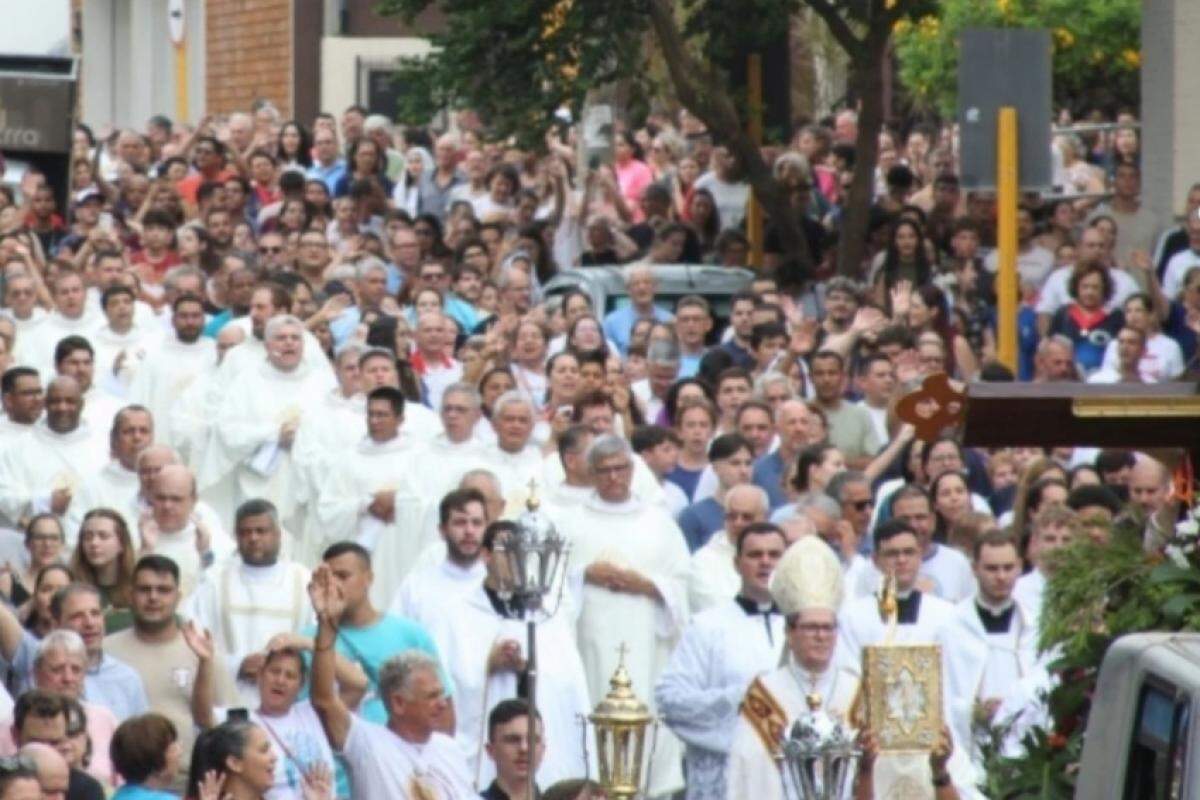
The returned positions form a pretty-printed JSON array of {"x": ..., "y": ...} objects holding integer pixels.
[
  {"x": 753, "y": 607},
  {"x": 994, "y": 619},
  {"x": 908, "y": 608},
  {"x": 509, "y": 609}
]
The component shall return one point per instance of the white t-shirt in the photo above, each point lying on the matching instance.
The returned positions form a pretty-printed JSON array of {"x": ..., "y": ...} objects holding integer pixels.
[
  {"x": 1056, "y": 292},
  {"x": 1177, "y": 269},
  {"x": 1163, "y": 360},
  {"x": 299, "y": 741},
  {"x": 730, "y": 198},
  {"x": 382, "y": 765},
  {"x": 1033, "y": 266}
]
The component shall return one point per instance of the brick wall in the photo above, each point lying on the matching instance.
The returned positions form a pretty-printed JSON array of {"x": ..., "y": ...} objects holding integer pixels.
[{"x": 248, "y": 49}]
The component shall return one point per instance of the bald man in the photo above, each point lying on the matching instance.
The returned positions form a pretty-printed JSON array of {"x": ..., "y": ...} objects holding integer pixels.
[
  {"x": 1150, "y": 494},
  {"x": 793, "y": 425},
  {"x": 40, "y": 470},
  {"x": 713, "y": 577},
  {"x": 173, "y": 529}
]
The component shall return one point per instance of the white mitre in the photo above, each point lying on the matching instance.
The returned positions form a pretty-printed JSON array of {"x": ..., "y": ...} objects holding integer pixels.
[{"x": 808, "y": 576}]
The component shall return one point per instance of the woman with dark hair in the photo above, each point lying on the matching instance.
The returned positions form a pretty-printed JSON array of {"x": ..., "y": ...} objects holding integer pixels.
[
  {"x": 705, "y": 222},
  {"x": 906, "y": 259},
  {"x": 428, "y": 229},
  {"x": 104, "y": 557},
  {"x": 683, "y": 390},
  {"x": 146, "y": 753},
  {"x": 44, "y": 543},
  {"x": 394, "y": 334},
  {"x": 365, "y": 160},
  {"x": 1086, "y": 321},
  {"x": 503, "y": 182},
  {"x": 925, "y": 310},
  {"x": 294, "y": 217},
  {"x": 951, "y": 497},
  {"x": 494, "y": 383},
  {"x": 197, "y": 248},
  {"x": 35, "y": 612},
  {"x": 234, "y": 760},
  {"x": 815, "y": 468},
  {"x": 293, "y": 148},
  {"x": 633, "y": 175}
]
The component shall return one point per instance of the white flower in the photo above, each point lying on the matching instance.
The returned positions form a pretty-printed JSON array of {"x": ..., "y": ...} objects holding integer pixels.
[
  {"x": 1177, "y": 557},
  {"x": 1188, "y": 529}
]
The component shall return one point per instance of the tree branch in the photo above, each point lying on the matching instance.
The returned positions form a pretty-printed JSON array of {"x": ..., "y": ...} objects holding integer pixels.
[{"x": 837, "y": 25}]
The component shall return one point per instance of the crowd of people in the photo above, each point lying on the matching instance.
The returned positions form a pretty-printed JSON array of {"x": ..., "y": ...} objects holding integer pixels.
[{"x": 275, "y": 393}]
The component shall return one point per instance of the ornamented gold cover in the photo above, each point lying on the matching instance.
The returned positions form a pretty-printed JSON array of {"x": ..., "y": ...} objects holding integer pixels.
[{"x": 902, "y": 685}]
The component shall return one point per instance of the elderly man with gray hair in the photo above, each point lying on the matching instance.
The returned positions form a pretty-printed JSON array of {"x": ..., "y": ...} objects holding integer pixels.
[
  {"x": 662, "y": 368},
  {"x": 629, "y": 564},
  {"x": 262, "y": 443},
  {"x": 514, "y": 457},
  {"x": 641, "y": 285}
]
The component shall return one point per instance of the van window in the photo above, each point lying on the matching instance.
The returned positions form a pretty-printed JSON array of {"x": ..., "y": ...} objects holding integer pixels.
[{"x": 1158, "y": 749}]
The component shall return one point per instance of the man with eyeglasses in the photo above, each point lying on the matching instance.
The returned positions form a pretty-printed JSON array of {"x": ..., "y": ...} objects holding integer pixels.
[
  {"x": 718, "y": 656},
  {"x": 272, "y": 252},
  {"x": 807, "y": 590},
  {"x": 921, "y": 616},
  {"x": 22, "y": 397},
  {"x": 631, "y": 560},
  {"x": 313, "y": 256}
]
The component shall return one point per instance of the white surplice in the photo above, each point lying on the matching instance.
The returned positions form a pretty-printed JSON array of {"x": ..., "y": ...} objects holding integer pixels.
[
  {"x": 190, "y": 421},
  {"x": 642, "y": 537},
  {"x": 1030, "y": 592},
  {"x": 342, "y": 509},
  {"x": 245, "y": 446},
  {"x": 100, "y": 407},
  {"x": 35, "y": 347},
  {"x": 34, "y": 464},
  {"x": 111, "y": 486},
  {"x": 712, "y": 577},
  {"x": 135, "y": 344},
  {"x": 244, "y": 606},
  {"x": 701, "y": 689},
  {"x": 981, "y": 665},
  {"x": 465, "y": 635},
  {"x": 166, "y": 373},
  {"x": 424, "y": 593},
  {"x": 752, "y": 771},
  {"x": 860, "y": 624},
  {"x": 514, "y": 470}
]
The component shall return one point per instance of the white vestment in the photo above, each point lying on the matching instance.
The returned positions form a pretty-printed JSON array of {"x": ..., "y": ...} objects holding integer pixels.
[
  {"x": 253, "y": 351},
  {"x": 712, "y": 577},
  {"x": 192, "y": 416},
  {"x": 111, "y": 486},
  {"x": 946, "y": 569},
  {"x": 425, "y": 592},
  {"x": 135, "y": 344},
  {"x": 33, "y": 465},
  {"x": 245, "y": 445},
  {"x": 752, "y": 771},
  {"x": 1030, "y": 592},
  {"x": 35, "y": 347},
  {"x": 465, "y": 635},
  {"x": 860, "y": 624},
  {"x": 99, "y": 408},
  {"x": 645, "y": 486},
  {"x": 981, "y": 666},
  {"x": 701, "y": 689},
  {"x": 244, "y": 606},
  {"x": 342, "y": 509},
  {"x": 453, "y": 460},
  {"x": 641, "y": 537},
  {"x": 514, "y": 470},
  {"x": 167, "y": 372}
]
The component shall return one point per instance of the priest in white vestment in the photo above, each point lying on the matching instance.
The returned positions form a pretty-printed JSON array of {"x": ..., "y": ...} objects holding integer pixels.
[
  {"x": 422, "y": 596},
  {"x": 454, "y": 449},
  {"x": 267, "y": 302},
  {"x": 21, "y": 307},
  {"x": 1052, "y": 529},
  {"x": 75, "y": 358},
  {"x": 173, "y": 529},
  {"x": 993, "y": 669},
  {"x": 116, "y": 484},
  {"x": 807, "y": 587},
  {"x": 514, "y": 457},
  {"x": 630, "y": 561},
  {"x": 121, "y": 343},
  {"x": 371, "y": 499},
  {"x": 190, "y": 420},
  {"x": 70, "y": 317},
  {"x": 23, "y": 399},
  {"x": 712, "y": 576},
  {"x": 482, "y": 640},
  {"x": 249, "y": 598},
  {"x": 41, "y": 469},
  {"x": 407, "y": 757},
  {"x": 722, "y": 650},
  {"x": 921, "y": 616},
  {"x": 261, "y": 417},
  {"x": 171, "y": 366}
]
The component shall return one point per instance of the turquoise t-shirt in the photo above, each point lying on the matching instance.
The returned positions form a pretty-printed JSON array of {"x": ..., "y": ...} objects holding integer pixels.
[{"x": 372, "y": 646}]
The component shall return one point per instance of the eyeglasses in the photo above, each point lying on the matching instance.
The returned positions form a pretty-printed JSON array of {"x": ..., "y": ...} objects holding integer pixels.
[
  {"x": 270, "y": 250},
  {"x": 816, "y": 628},
  {"x": 861, "y": 505},
  {"x": 615, "y": 469}
]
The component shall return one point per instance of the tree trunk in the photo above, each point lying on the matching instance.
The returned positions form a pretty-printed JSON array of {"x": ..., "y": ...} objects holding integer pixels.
[
  {"x": 700, "y": 90},
  {"x": 867, "y": 69}
]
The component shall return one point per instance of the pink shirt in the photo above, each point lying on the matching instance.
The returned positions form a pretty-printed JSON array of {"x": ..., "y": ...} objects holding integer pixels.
[
  {"x": 633, "y": 178},
  {"x": 101, "y": 725}
]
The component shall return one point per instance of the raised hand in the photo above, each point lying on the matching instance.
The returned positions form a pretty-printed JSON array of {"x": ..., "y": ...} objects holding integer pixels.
[
  {"x": 149, "y": 531},
  {"x": 901, "y": 298},
  {"x": 317, "y": 782},
  {"x": 211, "y": 786},
  {"x": 328, "y": 599},
  {"x": 199, "y": 640}
]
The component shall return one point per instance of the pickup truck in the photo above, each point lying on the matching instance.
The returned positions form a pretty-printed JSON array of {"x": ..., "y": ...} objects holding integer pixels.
[{"x": 1140, "y": 744}]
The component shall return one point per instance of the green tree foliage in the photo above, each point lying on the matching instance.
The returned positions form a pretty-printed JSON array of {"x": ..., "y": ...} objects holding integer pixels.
[{"x": 1096, "y": 48}]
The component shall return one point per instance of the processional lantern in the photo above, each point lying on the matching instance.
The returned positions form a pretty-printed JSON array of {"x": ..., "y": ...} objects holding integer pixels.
[
  {"x": 620, "y": 722},
  {"x": 819, "y": 755}
]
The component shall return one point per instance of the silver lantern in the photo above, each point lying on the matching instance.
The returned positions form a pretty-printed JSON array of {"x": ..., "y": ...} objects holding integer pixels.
[{"x": 820, "y": 755}]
